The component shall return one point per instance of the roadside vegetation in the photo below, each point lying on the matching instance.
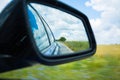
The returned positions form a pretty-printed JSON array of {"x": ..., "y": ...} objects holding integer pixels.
[
  {"x": 77, "y": 45},
  {"x": 104, "y": 65}
]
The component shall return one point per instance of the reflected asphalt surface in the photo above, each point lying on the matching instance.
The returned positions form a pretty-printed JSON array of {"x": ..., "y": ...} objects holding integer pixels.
[{"x": 63, "y": 49}]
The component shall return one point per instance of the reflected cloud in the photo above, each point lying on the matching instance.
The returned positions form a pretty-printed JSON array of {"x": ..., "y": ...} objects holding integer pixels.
[{"x": 62, "y": 24}]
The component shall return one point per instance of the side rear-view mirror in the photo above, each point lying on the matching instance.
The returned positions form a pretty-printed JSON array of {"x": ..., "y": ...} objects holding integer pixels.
[
  {"x": 58, "y": 33},
  {"x": 43, "y": 31}
]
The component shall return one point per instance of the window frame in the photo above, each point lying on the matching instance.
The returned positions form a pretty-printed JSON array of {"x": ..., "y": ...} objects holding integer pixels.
[
  {"x": 46, "y": 33},
  {"x": 51, "y": 33}
]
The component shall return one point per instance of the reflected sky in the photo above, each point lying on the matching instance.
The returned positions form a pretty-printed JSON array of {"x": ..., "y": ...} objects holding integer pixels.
[{"x": 66, "y": 25}]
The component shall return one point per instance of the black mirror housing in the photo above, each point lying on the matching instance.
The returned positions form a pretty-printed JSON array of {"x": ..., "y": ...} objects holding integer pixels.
[
  {"x": 23, "y": 46},
  {"x": 65, "y": 58}
]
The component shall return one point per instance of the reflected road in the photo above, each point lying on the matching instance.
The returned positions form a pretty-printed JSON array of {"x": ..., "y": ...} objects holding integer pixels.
[{"x": 63, "y": 49}]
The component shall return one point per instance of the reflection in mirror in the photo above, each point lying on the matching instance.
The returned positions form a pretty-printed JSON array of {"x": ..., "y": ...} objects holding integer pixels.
[{"x": 56, "y": 32}]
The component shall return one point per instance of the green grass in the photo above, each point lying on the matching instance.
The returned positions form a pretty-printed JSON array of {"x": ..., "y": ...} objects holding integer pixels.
[
  {"x": 77, "y": 45},
  {"x": 104, "y": 65}
]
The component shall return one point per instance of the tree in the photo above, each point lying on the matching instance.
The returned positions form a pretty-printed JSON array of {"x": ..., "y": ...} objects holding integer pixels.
[{"x": 63, "y": 39}]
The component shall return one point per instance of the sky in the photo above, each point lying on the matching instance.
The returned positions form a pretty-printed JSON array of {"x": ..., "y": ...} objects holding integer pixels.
[
  {"x": 104, "y": 17},
  {"x": 3, "y": 4},
  {"x": 64, "y": 25}
]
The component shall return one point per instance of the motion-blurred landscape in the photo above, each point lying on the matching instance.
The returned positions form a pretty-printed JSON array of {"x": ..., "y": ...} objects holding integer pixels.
[{"x": 104, "y": 65}]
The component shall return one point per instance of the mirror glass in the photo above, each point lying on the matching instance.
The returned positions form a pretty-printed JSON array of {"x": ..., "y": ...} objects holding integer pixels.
[{"x": 56, "y": 32}]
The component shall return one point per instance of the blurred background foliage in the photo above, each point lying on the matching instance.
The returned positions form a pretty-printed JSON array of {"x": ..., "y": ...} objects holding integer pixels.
[{"x": 104, "y": 65}]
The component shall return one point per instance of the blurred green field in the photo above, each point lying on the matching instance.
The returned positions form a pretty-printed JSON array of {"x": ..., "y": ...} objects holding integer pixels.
[{"x": 104, "y": 65}]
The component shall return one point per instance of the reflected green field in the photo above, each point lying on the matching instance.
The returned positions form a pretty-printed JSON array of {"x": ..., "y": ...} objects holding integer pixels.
[
  {"x": 77, "y": 45},
  {"x": 104, "y": 65}
]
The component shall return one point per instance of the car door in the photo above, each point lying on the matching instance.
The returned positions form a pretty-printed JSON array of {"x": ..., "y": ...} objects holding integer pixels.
[
  {"x": 54, "y": 48},
  {"x": 39, "y": 26}
]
